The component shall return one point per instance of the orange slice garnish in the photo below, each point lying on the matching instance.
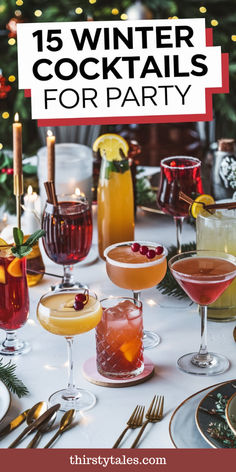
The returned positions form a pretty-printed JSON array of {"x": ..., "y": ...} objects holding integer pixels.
[
  {"x": 130, "y": 350},
  {"x": 2, "y": 275},
  {"x": 14, "y": 268},
  {"x": 197, "y": 207},
  {"x": 110, "y": 145}
]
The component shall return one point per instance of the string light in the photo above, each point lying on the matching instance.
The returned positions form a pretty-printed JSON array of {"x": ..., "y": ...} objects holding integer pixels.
[
  {"x": 115, "y": 11},
  {"x": 1, "y": 146},
  {"x": 78, "y": 11},
  {"x": 19, "y": 3},
  {"x": 38, "y": 13},
  {"x": 11, "y": 41},
  {"x": 233, "y": 37},
  {"x": 92, "y": 1},
  {"x": 202, "y": 9},
  {"x": 175, "y": 17},
  {"x": 2, "y": 8},
  {"x": 18, "y": 13},
  {"x": 214, "y": 22},
  {"x": 5, "y": 115},
  {"x": 124, "y": 16},
  {"x": 11, "y": 78}
]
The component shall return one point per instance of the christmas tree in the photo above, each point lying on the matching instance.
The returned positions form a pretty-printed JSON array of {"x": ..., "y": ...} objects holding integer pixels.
[{"x": 220, "y": 15}]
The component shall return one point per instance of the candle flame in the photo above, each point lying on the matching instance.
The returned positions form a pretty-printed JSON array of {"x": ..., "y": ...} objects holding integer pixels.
[
  {"x": 77, "y": 192},
  {"x": 49, "y": 132},
  {"x": 30, "y": 190},
  {"x": 16, "y": 117}
]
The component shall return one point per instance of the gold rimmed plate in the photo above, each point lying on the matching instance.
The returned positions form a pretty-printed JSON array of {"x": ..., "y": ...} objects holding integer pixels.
[
  {"x": 210, "y": 416},
  {"x": 230, "y": 413},
  {"x": 5, "y": 400}
]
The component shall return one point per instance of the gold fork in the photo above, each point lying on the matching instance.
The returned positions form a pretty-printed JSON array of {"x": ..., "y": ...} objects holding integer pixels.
[
  {"x": 154, "y": 414},
  {"x": 133, "y": 422}
]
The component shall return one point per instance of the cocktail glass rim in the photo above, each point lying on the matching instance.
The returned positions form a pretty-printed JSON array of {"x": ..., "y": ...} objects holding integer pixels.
[
  {"x": 71, "y": 290},
  {"x": 203, "y": 253},
  {"x": 78, "y": 199},
  {"x": 195, "y": 159},
  {"x": 133, "y": 265},
  {"x": 138, "y": 304}
]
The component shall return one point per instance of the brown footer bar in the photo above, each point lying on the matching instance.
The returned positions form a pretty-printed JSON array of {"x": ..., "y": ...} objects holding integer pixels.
[{"x": 136, "y": 460}]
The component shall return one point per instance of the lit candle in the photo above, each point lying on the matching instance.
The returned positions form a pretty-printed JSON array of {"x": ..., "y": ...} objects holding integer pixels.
[
  {"x": 17, "y": 146},
  {"x": 30, "y": 220},
  {"x": 51, "y": 155}
]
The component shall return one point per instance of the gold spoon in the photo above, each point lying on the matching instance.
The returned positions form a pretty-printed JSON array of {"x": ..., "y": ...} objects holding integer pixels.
[
  {"x": 34, "y": 413},
  {"x": 43, "y": 428},
  {"x": 66, "y": 421}
]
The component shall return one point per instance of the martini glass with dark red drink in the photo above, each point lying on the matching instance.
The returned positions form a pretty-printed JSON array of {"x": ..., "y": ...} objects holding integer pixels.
[
  {"x": 68, "y": 238},
  {"x": 14, "y": 301},
  {"x": 180, "y": 173},
  {"x": 203, "y": 275}
]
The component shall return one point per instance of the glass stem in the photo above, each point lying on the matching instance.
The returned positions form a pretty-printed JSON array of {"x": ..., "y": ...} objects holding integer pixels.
[
  {"x": 179, "y": 226},
  {"x": 71, "y": 392},
  {"x": 68, "y": 277},
  {"x": 203, "y": 358},
  {"x": 137, "y": 296},
  {"x": 11, "y": 341},
  {"x": 203, "y": 347}
]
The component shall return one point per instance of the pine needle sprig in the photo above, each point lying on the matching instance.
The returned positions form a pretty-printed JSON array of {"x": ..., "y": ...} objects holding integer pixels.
[
  {"x": 169, "y": 286},
  {"x": 9, "y": 378}
]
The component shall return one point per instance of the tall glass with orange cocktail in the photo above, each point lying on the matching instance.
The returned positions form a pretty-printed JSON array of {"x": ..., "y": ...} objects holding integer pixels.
[
  {"x": 137, "y": 266},
  {"x": 115, "y": 192}
]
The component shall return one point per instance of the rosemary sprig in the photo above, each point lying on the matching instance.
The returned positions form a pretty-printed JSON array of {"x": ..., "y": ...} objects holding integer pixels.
[
  {"x": 169, "y": 286},
  {"x": 9, "y": 378}
]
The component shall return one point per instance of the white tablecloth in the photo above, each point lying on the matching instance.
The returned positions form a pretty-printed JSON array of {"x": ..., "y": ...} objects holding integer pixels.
[{"x": 44, "y": 369}]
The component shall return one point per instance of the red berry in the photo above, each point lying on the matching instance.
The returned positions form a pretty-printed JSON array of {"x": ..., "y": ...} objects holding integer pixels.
[
  {"x": 135, "y": 247},
  {"x": 80, "y": 297},
  {"x": 150, "y": 254},
  {"x": 78, "y": 305},
  {"x": 159, "y": 250},
  {"x": 143, "y": 250}
]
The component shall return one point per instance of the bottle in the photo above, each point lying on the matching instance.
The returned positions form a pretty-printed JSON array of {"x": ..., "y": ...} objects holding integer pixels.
[
  {"x": 115, "y": 198},
  {"x": 223, "y": 173}
]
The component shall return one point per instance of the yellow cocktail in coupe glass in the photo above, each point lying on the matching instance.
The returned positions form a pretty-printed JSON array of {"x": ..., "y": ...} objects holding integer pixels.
[
  {"x": 68, "y": 313},
  {"x": 134, "y": 271}
]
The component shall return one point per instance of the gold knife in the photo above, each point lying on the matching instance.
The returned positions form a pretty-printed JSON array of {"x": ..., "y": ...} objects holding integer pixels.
[
  {"x": 14, "y": 424},
  {"x": 35, "y": 424}
]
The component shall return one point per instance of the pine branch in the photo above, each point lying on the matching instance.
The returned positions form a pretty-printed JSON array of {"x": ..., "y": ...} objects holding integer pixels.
[
  {"x": 9, "y": 378},
  {"x": 169, "y": 286}
]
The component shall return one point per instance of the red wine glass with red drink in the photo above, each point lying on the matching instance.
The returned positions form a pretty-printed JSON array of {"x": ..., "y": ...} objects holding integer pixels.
[
  {"x": 14, "y": 302},
  {"x": 180, "y": 173},
  {"x": 204, "y": 276},
  {"x": 68, "y": 238}
]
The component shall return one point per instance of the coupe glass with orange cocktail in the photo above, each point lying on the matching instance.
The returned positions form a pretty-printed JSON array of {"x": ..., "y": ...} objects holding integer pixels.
[
  {"x": 137, "y": 266},
  {"x": 67, "y": 313}
]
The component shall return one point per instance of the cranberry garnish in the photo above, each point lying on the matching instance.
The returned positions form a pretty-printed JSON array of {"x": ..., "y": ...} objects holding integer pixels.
[
  {"x": 150, "y": 254},
  {"x": 78, "y": 305},
  {"x": 80, "y": 297},
  {"x": 143, "y": 250},
  {"x": 135, "y": 247},
  {"x": 159, "y": 250}
]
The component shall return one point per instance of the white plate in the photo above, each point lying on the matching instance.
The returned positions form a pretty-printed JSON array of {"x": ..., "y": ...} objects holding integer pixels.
[
  {"x": 5, "y": 400},
  {"x": 183, "y": 430},
  {"x": 230, "y": 413}
]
